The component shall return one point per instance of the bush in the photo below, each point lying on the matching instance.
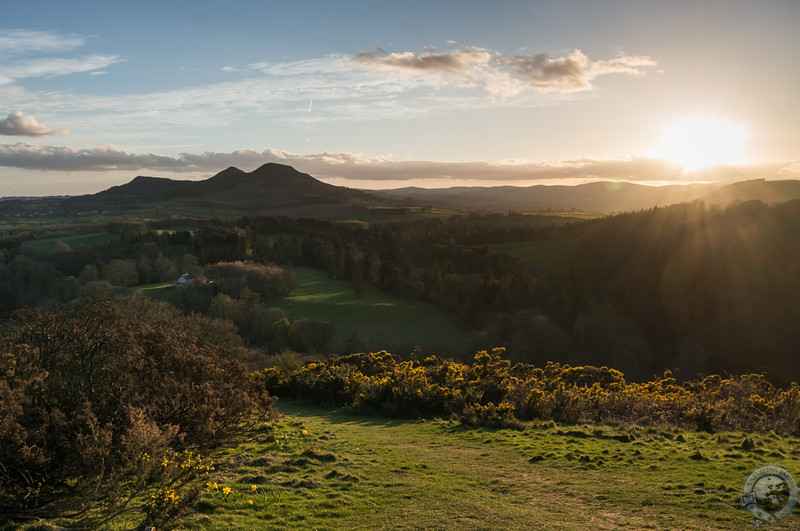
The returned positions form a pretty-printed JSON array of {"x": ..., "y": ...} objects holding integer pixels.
[
  {"x": 494, "y": 392},
  {"x": 89, "y": 397}
]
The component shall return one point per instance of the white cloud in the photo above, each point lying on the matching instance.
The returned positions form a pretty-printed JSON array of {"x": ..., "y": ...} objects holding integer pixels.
[
  {"x": 18, "y": 124},
  {"x": 48, "y": 67},
  {"x": 21, "y": 42}
]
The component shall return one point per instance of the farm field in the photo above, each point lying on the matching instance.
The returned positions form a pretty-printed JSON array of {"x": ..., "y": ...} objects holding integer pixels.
[
  {"x": 321, "y": 468},
  {"x": 48, "y": 245},
  {"x": 387, "y": 322}
]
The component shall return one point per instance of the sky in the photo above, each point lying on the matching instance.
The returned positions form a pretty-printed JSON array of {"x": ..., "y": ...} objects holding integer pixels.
[{"x": 392, "y": 94}]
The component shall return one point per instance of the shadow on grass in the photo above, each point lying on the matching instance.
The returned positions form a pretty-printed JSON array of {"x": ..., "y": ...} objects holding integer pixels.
[{"x": 298, "y": 408}]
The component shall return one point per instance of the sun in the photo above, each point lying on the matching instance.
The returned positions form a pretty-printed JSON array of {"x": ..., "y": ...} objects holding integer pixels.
[{"x": 700, "y": 141}]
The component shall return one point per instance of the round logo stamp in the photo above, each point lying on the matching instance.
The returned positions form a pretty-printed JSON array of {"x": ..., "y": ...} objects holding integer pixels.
[{"x": 770, "y": 494}]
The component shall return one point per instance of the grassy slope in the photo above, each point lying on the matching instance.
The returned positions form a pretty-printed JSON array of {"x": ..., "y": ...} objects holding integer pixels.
[
  {"x": 385, "y": 320},
  {"x": 360, "y": 472}
]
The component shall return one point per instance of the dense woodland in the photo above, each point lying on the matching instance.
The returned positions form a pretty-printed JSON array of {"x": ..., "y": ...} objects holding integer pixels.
[{"x": 689, "y": 287}]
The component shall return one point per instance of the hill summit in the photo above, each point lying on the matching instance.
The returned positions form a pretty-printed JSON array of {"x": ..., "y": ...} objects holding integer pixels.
[{"x": 271, "y": 189}]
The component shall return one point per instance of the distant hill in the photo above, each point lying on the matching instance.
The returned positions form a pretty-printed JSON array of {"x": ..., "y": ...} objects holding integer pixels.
[
  {"x": 605, "y": 197},
  {"x": 277, "y": 189},
  {"x": 759, "y": 190},
  {"x": 272, "y": 189}
]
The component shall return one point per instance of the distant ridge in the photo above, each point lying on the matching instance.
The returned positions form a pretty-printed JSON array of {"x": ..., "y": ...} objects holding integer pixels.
[
  {"x": 271, "y": 189},
  {"x": 278, "y": 189},
  {"x": 605, "y": 197},
  {"x": 756, "y": 190}
]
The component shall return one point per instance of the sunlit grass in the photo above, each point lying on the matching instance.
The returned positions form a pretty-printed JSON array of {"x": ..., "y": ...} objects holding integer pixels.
[
  {"x": 326, "y": 469},
  {"x": 385, "y": 321}
]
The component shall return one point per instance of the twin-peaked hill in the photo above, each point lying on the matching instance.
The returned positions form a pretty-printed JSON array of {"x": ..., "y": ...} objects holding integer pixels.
[{"x": 272, "y": 189}]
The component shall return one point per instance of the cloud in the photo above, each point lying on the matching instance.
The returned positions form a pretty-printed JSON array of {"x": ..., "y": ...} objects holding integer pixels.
[
  {"x": 539, "y": 71},
  {"x": 354, "y": 168},
  {"x": 101, "y": 158},
  {"x": 21, "y": 42},
  {"x": 18, "y": 124},
  {"x": 49, "y": 67},
  {"x": 460, "y": 61},
  {"x": 573, "y": 72}
]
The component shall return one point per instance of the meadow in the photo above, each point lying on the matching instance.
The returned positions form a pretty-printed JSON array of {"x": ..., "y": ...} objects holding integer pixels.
[
  {"x": 325, "y": 468},
  {"x": 49, "y": 245},
  {"x": 383, "y": 319}
]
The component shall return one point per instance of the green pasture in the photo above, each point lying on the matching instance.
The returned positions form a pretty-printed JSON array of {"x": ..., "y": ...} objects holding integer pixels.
[
  {"x": 321, "y": 468},
  {"x": 548, "y": 254},
  {"x": 387, "y": 322},
  {"x": 48, "y": 245}
]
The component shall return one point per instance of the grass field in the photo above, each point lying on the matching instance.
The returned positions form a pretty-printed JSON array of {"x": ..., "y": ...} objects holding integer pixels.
[
  {"x": 386, "y": 321},
  {"x": 326, "y": 469},
  {"x": 48, "y": 245},
  {"x": 547, "y": 254}
]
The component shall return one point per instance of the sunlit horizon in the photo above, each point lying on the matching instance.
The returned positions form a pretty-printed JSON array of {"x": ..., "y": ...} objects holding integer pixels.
[{"x": 517, "y": 93}]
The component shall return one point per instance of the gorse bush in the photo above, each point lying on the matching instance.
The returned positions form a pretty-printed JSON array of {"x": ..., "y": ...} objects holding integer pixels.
[
  {"x": 494, "y": 392},
  {"x": 108, "y": 402}
]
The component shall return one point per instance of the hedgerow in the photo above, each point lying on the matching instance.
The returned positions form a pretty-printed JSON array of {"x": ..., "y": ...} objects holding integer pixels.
[{"x": 494, "y": 392}]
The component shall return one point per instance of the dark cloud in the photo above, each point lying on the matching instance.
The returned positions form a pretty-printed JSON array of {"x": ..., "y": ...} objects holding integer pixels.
[
  {"x": 573, "y": 72},
  {"x": 18, "y": 124},
  {"x": 459, "y": 61}
]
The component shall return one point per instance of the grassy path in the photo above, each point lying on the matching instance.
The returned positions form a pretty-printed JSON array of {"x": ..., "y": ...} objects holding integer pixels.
[{"x": 360, "y": 472}]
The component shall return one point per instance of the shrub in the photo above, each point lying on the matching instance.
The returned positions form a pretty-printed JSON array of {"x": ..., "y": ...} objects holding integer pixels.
[
  {"x": 493, "y": 392},
  {"x": 90, "y": 396}
]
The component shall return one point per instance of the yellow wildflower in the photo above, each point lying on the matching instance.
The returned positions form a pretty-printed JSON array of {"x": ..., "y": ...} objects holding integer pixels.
[
  {"x": 253, "y": 487},
  {"x": 250, "y": 502},
  {"x": 226, "y": 491}
]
